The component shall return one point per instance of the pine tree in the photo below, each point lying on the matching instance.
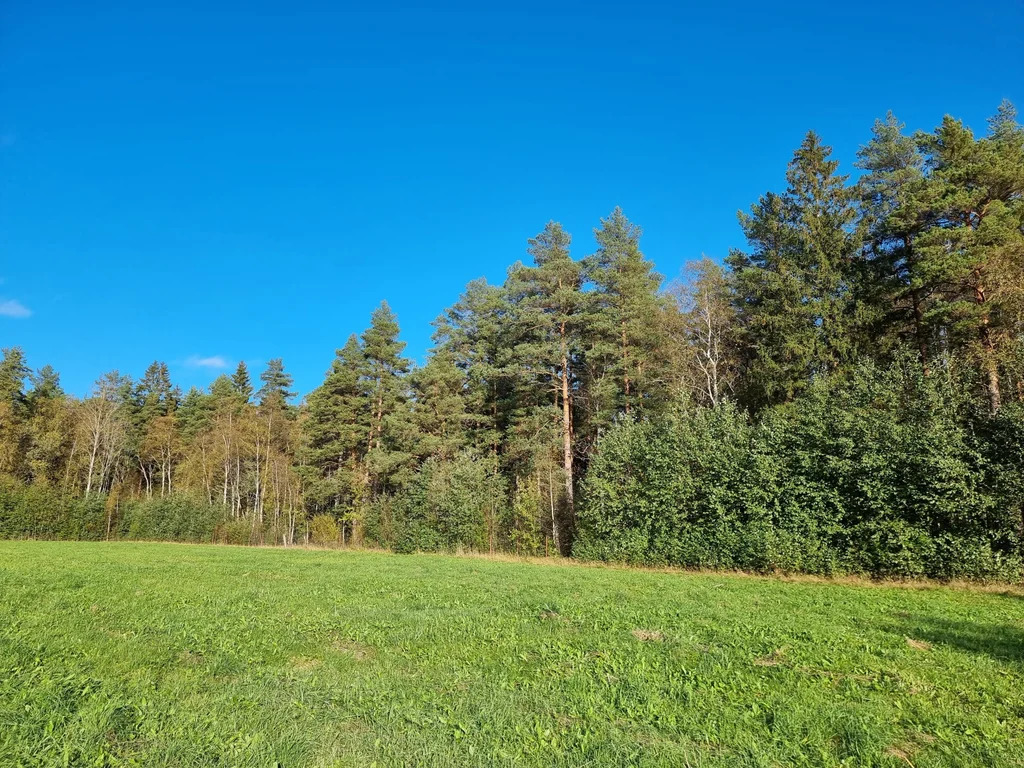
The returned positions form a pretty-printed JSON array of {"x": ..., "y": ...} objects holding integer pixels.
[
  {"x": 975, "y": 249},
  {"x": 894, "y": 202},
  {"x": 549, "y": 315},
  {"x": 386, "y": 367},
  {"x": 276, "y": 384},
  {"x": 45, "y": 384},
  {"x": 475, "y": 332},
  {"x": 439, "y": 406}
]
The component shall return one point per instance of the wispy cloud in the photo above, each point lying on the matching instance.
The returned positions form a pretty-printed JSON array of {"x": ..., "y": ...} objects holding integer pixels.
[
  {"x": 13, "y": 308},
  {"x": 213, "y": 361}
]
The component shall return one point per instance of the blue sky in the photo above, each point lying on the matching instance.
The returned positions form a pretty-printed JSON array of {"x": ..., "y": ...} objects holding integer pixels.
[{"x": 207, "y": 182}]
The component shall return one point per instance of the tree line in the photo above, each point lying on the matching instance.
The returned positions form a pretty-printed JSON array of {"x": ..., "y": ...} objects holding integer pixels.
[{"x": 868, "y": 319}]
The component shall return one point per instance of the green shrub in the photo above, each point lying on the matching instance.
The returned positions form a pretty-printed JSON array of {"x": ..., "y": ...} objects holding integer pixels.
[
  {"x": 450, "y": 504},
  {"x": 237, "y": 532},
  {"x": 170, "y": 518},
  {"x": 324, "y": 531},
  {"x": 879, "y": 472}
]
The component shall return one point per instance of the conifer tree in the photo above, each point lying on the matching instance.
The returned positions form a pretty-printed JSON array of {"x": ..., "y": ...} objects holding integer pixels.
[
  {"x": 194, "y": 412},
  {"x": 336, "y": 429},
  {"x": 975, "y": 248},
  {"x": 624, "y": 332},
  {"x": 894, "y": 203},
  {"x": 13, "y": 372},
  {"x": 243, "y": 383},
  {"x": 549, "y": 321},
  {"x": 13, "y": 409},
  {"x": 45, "y": 385},
  {"x": 50, "y": 429},
  {"x": 390, "y": 436},
  {"x": 796, "y": 290},
  {"x": 276, "y": 384},
  {"x": 439, "y": 406},
  {"x": 475, "y": 332}
]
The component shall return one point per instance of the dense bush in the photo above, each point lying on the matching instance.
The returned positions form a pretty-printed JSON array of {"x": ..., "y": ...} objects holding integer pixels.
[
  {"x": 450, "y": 504},
  {"x": 44, "y": 513},
  {"x": 171, "y": 518},
  {"x": 881, "y": 472},
  {"x": 324, "y": 530}
]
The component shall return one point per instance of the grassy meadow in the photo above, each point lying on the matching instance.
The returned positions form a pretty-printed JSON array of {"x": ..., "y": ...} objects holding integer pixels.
[{"x": 178, "y": 655}]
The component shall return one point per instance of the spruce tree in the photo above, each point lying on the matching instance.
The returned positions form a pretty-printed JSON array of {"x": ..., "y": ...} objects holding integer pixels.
[
  {"x": 623, "y": 329},
  {"x": 796, "y": 290},
  {"x": 336, "y": 427},
  {"x": 243, "y": 383}
]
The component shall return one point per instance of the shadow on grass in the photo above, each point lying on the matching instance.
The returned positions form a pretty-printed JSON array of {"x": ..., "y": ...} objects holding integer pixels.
[{"x": 1003, "y": 642}]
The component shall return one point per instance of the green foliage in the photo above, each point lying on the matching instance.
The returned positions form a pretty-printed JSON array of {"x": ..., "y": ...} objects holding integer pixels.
[
  {"x": 796, "y": 291},
  {"x": 276, "y": 384},
  {"x": 39, "y": 512},
  {"x": 324, "y": 531},
  {"x": 524, "y": 534},
  {"x": 623, "y": 336},
  {"x": 451, "y": 504},
  {"x": 171, "y": 518},
  {"x": 878, "y": 473},
  {"x": 336, "y": 429}
]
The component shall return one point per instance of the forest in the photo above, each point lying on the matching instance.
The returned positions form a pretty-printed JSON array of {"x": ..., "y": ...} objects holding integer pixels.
[{"x": 844, "y": 394}]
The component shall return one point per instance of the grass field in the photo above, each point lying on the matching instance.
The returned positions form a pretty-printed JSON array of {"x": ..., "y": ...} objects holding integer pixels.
[{"x": 175, "y": 655}]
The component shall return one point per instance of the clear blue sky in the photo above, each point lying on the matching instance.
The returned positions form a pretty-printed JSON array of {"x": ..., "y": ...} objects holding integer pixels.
[{"x": 207, "y": 180}]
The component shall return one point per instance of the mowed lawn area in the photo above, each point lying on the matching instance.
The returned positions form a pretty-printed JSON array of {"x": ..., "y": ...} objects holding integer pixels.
[{"x": 179, "y": 655}]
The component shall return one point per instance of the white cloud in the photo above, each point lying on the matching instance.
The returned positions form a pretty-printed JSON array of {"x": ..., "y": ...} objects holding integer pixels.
[
  {"x": 13, "y": 308},
  {"x": 214, "y": 361}
]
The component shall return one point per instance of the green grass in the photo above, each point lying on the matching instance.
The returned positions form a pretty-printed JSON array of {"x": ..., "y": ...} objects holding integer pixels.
[{"x": 175, "y": 655}]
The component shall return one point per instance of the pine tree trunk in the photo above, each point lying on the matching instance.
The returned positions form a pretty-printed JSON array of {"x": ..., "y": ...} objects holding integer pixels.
[
  {"x": 567, "y": 430},
  {"x": 988, "y": 351},
  {"x": 991, "y": 374},
  {"x": 625, "y": 366},
  {"x": 922, "y": 340},
  {"x": 554, "y": 521},
  {"x": 915, "y": 298}
]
